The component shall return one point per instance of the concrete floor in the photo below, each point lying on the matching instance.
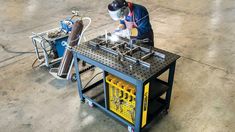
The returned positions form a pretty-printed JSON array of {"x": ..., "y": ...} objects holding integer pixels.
[{"x": 201, "y": 31}]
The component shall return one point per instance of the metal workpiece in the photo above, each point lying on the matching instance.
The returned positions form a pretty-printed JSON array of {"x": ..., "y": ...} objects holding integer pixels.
[{"x": 101, "y": 52}]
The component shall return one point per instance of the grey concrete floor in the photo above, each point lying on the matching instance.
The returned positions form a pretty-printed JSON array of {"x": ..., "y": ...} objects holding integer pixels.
[{"x": 201, "y": 31}]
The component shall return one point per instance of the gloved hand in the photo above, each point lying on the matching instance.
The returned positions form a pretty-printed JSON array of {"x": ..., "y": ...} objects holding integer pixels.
[
  {"x": 123, "y": 33},
  {"x": 119, "y": 28},
  {"x": 131, "y": 32},
  {"x": 127, "y": 33},
  {"x": 134, "y": 32}
]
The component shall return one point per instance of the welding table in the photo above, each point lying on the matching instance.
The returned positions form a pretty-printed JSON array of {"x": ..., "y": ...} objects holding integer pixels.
[{"x": 137, "y": 75}]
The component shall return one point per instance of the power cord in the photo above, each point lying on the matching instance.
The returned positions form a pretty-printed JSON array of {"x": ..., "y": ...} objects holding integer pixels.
[
  {"x": 18, "y": 52},
  {"x": 34, "y": 62},
  {"x": 15, "y": 52},
  {"x": 25, "y": 52},
  {"x": 91, "y": 80}
]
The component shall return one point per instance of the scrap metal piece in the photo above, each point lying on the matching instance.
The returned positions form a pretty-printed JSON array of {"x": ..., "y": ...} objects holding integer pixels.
[
  {"x": 118, "y": 45},
  {"x": 147, "y": 56},
  {"x": 131, "y": 51}
]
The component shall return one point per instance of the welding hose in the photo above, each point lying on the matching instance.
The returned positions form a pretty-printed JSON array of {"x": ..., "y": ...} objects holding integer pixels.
[
  {"x": 83, "y": 31},
  {"x": 79, "y": 38}
]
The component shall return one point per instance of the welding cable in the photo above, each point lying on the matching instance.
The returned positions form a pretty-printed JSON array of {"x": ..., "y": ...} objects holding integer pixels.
[
  {"x": 17, "y": 52},
  {"x": 34, "y": 62},
  {"x": 22, "y": 52},
  {"x": 25, "y": 52},
  {"x": 91, "y": 80}
]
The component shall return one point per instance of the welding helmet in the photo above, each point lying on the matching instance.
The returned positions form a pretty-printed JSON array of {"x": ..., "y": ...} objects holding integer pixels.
[{"x": 118, "y": 9}]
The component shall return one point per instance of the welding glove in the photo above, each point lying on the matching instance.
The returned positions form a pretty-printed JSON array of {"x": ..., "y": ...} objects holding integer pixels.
[
  {"x": 127, "y": 33},
  {"x": 120, "y": 28},
  {"x": 123, "y": 33},
  {"x": 134, "y": 32},
  {"x": 131, "y": 33}
]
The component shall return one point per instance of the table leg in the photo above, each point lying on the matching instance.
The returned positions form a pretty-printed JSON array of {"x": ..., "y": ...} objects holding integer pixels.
[
  {"x": 106, "y": 95},
  {"x": 79, "y": 82},
  {"x": 139, "y": 102},
  {"x": 170, "y": 83}
]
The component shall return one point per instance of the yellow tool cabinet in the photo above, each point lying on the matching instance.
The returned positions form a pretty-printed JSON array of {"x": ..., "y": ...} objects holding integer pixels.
[{"x": 122, "y": 97}]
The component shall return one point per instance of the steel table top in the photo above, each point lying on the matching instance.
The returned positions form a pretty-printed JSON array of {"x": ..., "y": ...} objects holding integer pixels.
[{"x": 127, "y": 67}]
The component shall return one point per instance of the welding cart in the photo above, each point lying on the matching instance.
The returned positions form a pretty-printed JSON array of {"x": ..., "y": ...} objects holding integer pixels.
[
  {"x": 52, "y": 45},
  {"x": 130, "y": 89}
]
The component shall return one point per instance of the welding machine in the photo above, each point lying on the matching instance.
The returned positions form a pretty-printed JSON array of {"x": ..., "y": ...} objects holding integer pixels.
[
  {"x": 53, "y": 46},
  {"x": 51, "y": 42}
]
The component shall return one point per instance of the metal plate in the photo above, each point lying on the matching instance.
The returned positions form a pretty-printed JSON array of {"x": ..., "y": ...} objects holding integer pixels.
[{"x": 138, "y": 72}]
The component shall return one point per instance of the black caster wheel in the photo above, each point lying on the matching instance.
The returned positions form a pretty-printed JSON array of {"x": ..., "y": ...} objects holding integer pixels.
[
  {"x": 74, "y": 77},
  {"x": 83, "y": 101},
  {"x": 165, "y": 112}
]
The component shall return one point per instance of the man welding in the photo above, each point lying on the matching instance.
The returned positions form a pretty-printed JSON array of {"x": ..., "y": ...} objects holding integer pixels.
[{"x": 134, "y": 18}]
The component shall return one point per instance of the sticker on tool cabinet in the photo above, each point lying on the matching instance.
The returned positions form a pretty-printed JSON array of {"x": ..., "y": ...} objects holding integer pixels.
[{"x": 145, "y": 105}]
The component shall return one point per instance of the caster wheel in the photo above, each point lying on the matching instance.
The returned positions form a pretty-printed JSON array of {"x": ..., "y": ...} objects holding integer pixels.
[
  {"x": 83, "y": 101},
  {"x": 90, "y": 104},
  {"x": 165, "y": 112},
  {"x": 74, "y": 77},
  {"x": 130, "y": 129}
]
